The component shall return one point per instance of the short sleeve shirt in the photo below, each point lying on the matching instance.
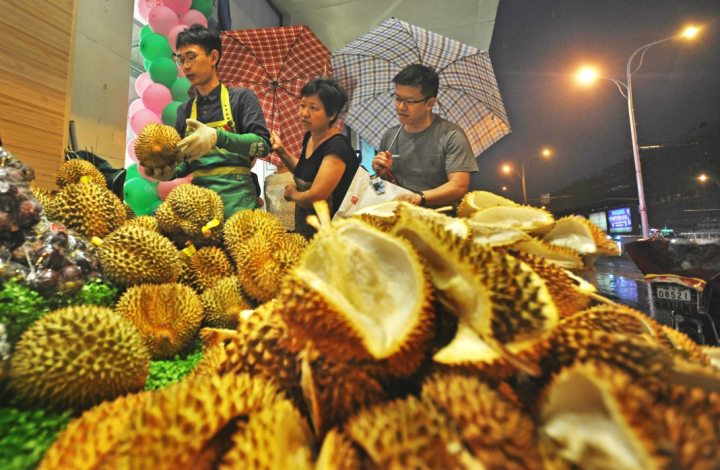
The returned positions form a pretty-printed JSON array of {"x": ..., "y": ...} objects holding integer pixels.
[{"x": 422, "y": 160}]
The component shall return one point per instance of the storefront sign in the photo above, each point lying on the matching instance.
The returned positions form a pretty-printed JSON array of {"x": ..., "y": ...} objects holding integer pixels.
[
  {"x": 599, "y": 219},
  {"x": 620, "y": 220}
]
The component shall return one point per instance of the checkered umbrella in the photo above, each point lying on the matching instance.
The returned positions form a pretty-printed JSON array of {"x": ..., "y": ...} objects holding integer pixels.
[
  {"x": 275, "y": 63},
  {"x": 468, "y": 94}
]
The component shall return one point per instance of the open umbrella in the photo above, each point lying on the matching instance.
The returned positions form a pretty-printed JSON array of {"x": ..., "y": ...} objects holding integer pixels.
[
  {"x": 275, "y": 63},
  {"x": 468, "y": 94}
]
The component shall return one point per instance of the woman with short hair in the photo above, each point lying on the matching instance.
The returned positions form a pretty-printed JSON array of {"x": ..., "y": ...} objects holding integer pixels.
[{"x": 328, "y": 163}]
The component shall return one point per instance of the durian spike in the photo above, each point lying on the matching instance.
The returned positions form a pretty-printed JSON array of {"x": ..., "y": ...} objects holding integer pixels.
[
  {"x": 443, "y": 209},
  {"x": 603, "y": 300},
  {"x": 323, "y": 214}
]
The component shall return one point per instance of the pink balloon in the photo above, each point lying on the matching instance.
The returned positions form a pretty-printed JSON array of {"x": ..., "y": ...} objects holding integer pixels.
[
  {"x": 172, "y": 35},
  {"x": 162, "y": 19},
  {"x": 135, "y": 106},
  {"x": 156, "y": 97},
  {"x": 165, "y": 187},
  {"x": 131, "y": 149},
  {"x": 142, "y": 118},
  {"x": 193, "y": 17},
  {"x": 144, "y": 9},
  {"x": 141, "y": 170},
  {"x": 179, "y": 6},
  {"x": 142, "y": 82}
]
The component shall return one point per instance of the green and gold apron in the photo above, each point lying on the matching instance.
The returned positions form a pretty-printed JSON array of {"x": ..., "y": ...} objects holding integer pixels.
[{"x": 226, "y": 173}]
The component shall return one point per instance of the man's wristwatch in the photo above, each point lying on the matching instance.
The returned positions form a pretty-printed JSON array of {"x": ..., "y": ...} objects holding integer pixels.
[{"x": 422, "y": 199}]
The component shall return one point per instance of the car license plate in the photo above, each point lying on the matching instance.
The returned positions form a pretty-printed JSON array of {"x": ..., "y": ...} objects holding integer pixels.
[{"x": 674, "y": 293}]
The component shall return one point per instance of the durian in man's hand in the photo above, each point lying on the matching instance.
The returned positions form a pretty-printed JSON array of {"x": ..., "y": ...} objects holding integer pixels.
[{"x": 156, "y": 146}]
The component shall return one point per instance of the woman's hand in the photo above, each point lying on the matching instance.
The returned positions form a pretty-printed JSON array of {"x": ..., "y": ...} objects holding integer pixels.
[
  {"x": 276, "y": 143},
  {"x": 290, "y": 191}
]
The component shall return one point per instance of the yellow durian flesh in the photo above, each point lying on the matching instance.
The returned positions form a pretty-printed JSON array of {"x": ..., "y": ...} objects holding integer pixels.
[
  {"x": 582, "y": 236},
  {"x": 466, "y": 348},
  {"x": 527, "y": 219},
  {"x": 492, "y": 236},
  {"x": 476, "y": 200}
]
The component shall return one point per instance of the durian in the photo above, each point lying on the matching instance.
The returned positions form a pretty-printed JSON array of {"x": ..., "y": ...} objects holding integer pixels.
[
  {"x": 167, "y": 316},
  {"x": 360, "y": 294},
  {"x": 188, "y": 425},
  {"x": 491, "y": 236},
  {"x": 92, "y": 210},
  {"x": 594, "y": 416},
  {"x": 275, "y": 438},
  {"x": 477, "y": 200},
  {"x": 499, "y": 433},
  {"x": 528, "y": 219},
  {"x": 145, "y": 221},
  {"x": 681, "y": 345},
  {"x": 209, "y": 265},
  {"x": 76, "y": 170},
  {"x": 156, "y": 146},
  {"x": 45, "y": 197},
  {"x": 713, "y": 355},
  {"x": 76, "y": 357},
  {"x": 129, "y": 212},
  {"x": 88, "y": 439},
  {"x": 224, "y": 303},
  {"x": 338, "y": 453},
  {"x": 561, "y": 257},
  {"x": 214, "y": 356},
  {"x": 581, "y": 236},
  {"x": 244, "y": 225},
  {"x": 134, "y": 255},
  {"x": 381, "y": 216},
  {"x": 192, "y": 214}
]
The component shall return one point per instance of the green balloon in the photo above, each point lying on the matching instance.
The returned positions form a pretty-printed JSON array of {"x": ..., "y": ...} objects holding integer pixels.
[
  {"x": 179, "y": 90},
  {"x": 146, "y": 65},
  {"x": 169, "y": 114},
  {"x": 206, "y": 9},
  {"x": 132, "y": 172},
  {"x": 163, "y": 70},
  {"x": 154, "y": 207},
  {"x": 140, "y": 194},
  {"x": 153, "y": 46},
  {"x": 197, "y": 4},
  {"x": 145, "y": 31}
]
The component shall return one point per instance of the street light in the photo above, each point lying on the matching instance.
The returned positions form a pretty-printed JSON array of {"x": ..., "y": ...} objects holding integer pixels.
[
  {"x": 507, "y": 169},
  {"x": 704, "y": 178},
  {"x": 588, "y": 75}
]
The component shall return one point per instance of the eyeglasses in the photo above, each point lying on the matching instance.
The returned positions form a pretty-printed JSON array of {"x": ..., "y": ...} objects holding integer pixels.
[
  {"x": 400, "y": 101},
  {"x": 189, "y": 61}
]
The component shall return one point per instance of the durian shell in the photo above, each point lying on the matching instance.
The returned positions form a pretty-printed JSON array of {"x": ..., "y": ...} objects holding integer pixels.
[
  {"x": 382, "y": 216},
  {"x": 76, "y": 357},
  {"x": 564, "y": 258},
  {"x": 92, "y": 210},
  {"x": 167, "y": 316},
  {"x": 474, "y": 201},
  {"x": 156, "y": 146},
  {"x": 258, "y": 269},
  {"x": 188, "y": 424},
  {"x": 214, "y": 354},
  {"x": 88, "y": 439},
  {"x": 244, "y": 225},
  {"x": 680, "y": 345},
  {"x": 145, "y": 221},
  {"x": 45, "y": 197},
  {"x": 274, "y": 438},
  {"x": 338, "y": 453},
  {"x": 209, "y": 265},
  {"x": 134, "y": 255},
  {"x": 224, "y": 303},
  {"x": 72, "y": 171},
  {"x": 713, "y": 355},
  {"x": 186, "y": 210},
  {"x": 129, "y": 213},
  {"x": 499, "y": 433},
  {"x": 586, "y": 237}
]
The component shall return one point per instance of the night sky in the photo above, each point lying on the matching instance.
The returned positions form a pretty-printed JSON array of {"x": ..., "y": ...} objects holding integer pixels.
[{"x": 539, "y": 45}]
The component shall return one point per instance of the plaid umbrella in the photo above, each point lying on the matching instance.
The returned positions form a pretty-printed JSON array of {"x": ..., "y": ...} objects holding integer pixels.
[
  {"x": 275, "y": 63},
  {"x": 468, "y": 94}
]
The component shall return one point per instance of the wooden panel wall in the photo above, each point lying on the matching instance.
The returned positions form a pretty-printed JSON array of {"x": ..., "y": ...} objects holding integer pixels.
[{"x": 35, "y": 81}]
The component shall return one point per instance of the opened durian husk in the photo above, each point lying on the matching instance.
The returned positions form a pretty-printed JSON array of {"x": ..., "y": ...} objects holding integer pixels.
[
  {"x": 713, "y": 354},
  {"x": 338, "y": 453},
  {"x": 214, "y": 354},
  {"x": 528, "y": 219},
  {"x": 474, "y": 201},
  {"x": 381, "y": 216},
  {"x": 594, "y": 416},
  {"x": 680, "y": 345},
  {"x": 564, "y": 258},
  {"x": 492, "y": 236},
  {"x": 582, "y": 236},
  {"x": 360, "y": 294}
]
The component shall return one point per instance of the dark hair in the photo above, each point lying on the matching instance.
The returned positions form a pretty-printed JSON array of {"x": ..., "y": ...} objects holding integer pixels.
[
  {"x": 331, "y": 94},
  {"x": 419, "y": 75},
  {"x": 199, "y": 35}
]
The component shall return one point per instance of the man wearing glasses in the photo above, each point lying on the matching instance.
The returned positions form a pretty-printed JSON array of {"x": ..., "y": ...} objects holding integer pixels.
[
  {"x": 425, "y": 153},
  {"x": 223, "y": 129}
]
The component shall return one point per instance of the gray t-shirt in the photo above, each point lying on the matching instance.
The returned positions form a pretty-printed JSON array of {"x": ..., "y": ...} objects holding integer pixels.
[{"x": 427, "y": 157}]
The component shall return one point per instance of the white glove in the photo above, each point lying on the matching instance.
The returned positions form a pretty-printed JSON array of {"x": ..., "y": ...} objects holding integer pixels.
[{"x": 200, "y": 142}]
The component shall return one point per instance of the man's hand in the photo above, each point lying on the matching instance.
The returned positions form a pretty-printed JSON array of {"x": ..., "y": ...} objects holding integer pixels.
[
  {"x": 290, "y": 191},
  {"x": 382, "y": 162},
  {"x": 413, "y": 198},
  {"x": 161, "y": 174},
  {"x": 200, "y": 142}
]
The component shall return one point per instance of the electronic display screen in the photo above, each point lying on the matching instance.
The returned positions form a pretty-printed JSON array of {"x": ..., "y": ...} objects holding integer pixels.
[{"x": 620, "y": 220}]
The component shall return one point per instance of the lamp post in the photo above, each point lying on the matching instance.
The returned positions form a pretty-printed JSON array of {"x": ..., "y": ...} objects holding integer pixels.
[
  {"x": 507, "y": 169},
  {"x": 704, "y": 178},
  {"x": 588, "y": 75}
]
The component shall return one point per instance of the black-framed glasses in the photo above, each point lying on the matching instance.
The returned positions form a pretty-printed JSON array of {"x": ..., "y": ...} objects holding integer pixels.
[
  {"x": 188, "y": 60},
  {"x": 400, "y": 101}
]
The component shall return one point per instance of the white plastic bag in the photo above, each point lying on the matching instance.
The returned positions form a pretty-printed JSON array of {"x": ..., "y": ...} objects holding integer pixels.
[{"x": 362, "y": 194}]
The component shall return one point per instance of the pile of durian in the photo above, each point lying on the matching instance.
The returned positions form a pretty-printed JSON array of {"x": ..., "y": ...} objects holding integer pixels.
[{"x": 399, "y": 338}]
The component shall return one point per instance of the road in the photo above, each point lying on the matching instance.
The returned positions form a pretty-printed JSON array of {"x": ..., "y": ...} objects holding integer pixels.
[{"x": 620, "y": 280}]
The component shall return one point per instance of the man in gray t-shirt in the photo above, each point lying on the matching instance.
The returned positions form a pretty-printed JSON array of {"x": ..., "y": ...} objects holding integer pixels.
[{"x": 425, "y": 153}]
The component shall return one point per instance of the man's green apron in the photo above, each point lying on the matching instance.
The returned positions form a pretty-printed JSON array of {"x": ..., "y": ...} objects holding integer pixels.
[{"x": 226, "y": 173}]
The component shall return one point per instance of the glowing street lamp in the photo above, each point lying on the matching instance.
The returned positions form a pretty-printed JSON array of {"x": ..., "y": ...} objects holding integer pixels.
[
  {"x": 507, "y": 169},
  {"x": 588, "y": 75},
  {"x": 704, "y": 178}
]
